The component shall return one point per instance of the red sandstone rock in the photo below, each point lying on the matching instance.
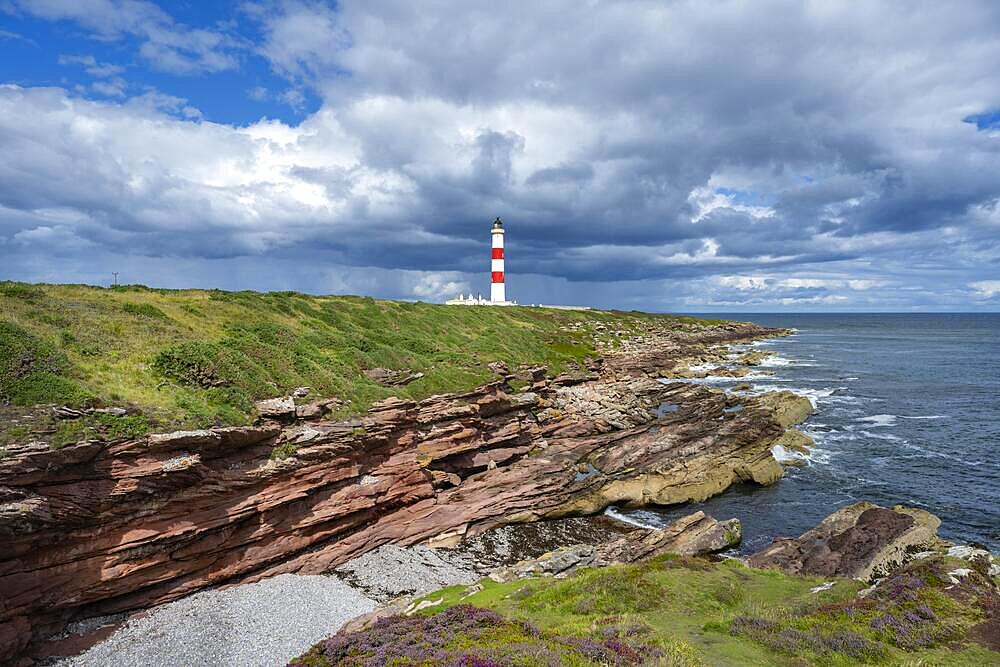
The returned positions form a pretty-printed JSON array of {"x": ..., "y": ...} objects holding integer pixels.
[
  {"x": 861, "y": 540},
  {"x": 97, "y": 528}
]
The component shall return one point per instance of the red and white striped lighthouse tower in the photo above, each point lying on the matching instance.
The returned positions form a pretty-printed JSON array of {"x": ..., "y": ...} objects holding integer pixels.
[{"x": 497, "y": 292}]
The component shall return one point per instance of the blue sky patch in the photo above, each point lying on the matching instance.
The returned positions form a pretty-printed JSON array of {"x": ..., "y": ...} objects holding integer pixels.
[
  {"x": 985, "y": 121},
  {"x": 239, "y": 89}
]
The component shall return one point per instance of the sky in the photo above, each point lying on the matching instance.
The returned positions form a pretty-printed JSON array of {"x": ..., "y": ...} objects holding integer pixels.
[{"x": 668, "y": 156}]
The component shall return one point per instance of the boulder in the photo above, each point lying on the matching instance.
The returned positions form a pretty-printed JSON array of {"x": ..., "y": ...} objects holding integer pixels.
[
  {"x": 693, "y": 535},
  {"x": 276, "y": 408},
  {"x": 316, "y": 409},
  {"x": 499, "y": 368},
  {"x": 787, "y": 408},
  {"x": 66, "y": 412},
  {"x": 754, "y": 358},
  {"x": 531, "y": 373},
  {"x": 862, "y": 541},
  {"x": 114, "y": 412},
  {"x": 732, "y": 372},
  {"x": 558, "y": 563}
]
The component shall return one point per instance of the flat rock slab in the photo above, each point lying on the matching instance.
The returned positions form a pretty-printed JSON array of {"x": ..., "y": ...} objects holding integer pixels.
[
  {"x": 255, "y": 625},
  {"x": 388, "y": 377}
]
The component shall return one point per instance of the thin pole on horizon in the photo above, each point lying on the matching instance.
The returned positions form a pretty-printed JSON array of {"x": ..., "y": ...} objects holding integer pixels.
[{"x": 115, "y": 274}]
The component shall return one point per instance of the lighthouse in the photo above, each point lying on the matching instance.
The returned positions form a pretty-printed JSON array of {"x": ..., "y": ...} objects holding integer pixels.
[
  {"x": 497, "y": 291},
  {"x": 498, "y": 288}
]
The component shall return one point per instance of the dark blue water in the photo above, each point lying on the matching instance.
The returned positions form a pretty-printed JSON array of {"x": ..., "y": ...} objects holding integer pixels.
[{"x": 907, "y": 412}]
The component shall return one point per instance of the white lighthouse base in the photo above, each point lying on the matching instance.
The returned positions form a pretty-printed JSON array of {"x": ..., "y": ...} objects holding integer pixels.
[{"x": 462, "y": 300}]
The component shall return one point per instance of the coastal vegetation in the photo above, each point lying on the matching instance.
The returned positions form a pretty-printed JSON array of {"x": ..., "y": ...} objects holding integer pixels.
[
  {"x": 688, "y": 612},
  {"x": 200, "y": 358}
]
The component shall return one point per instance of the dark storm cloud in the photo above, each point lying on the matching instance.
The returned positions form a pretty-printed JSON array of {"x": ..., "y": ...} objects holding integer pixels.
[
  {"x": 726, "y": 147},
  {"x": 580, "y": 173}
]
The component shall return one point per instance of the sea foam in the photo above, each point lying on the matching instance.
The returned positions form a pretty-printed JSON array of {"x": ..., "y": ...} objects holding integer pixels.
[
  {"x": 612, "y": 512},
  {"x": 878, "y": 420}
]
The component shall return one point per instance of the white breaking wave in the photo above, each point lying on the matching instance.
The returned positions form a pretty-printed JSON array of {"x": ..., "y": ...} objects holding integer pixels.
[
  {"x": 613, "y": 513},
  {"x": 776, "y": 360},
  {"x": 718, "y": 379},
  {"x": 928, "y": 453},
  {"x": 878, "y": 420},
  {"x": 699, "y": 368},
  {"x": 815, "y": 396},
  {"x": 926, "y": 417},
  {"x": 816, "y": 454},
  {"x": 882, "y": 436},
  {"x": 782, "y": 455}
]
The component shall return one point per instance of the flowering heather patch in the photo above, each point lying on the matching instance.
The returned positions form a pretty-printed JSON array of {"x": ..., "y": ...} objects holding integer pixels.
[
  {"x": 917, "y": 607},
  {"x": 749, "y": 625},
  {"x": 795, "y": 641},
  {"x": 853, "y": 645},
  {"x": 617, "y": 631},
  {"x": 467, "y": 636},
  {"x": 929, "y": 612}
]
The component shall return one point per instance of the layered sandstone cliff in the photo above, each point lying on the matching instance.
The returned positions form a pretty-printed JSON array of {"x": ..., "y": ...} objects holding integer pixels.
[{"x": 99, "y": 528}]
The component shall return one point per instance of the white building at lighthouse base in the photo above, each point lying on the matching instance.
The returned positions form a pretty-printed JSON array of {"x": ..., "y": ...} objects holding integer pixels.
[{"x": 477, "y": 300}]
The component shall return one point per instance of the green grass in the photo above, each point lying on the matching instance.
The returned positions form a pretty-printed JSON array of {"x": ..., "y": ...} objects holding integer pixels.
[
  {"x": 719, "y": 614},
  {"x": 196, "y": 358}
]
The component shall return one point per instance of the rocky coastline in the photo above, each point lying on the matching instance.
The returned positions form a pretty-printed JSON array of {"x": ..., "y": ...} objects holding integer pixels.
[
  {"x": 98, "y": 529},
  {"x": 193, "y": 547}
]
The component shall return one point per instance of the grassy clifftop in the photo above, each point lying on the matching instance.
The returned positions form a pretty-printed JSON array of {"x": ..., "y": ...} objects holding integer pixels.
[
  {"x": 192, "y": 358},
  {"x": 688, "y": 612}
]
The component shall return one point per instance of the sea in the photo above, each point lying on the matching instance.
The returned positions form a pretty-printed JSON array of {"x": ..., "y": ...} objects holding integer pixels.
[{"x": 907, "y": 411}]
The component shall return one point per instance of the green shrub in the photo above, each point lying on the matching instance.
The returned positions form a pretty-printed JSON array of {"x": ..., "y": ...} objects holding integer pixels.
[
  {"x": 195, "y": 363},
  {"x": 144, "y": 310},
  {"x": 234, "y": 397},
  {"x": 33, "y": 370},
  {"x": 127, "y": 426},
  {"x": 70, "y": 432},
  {"x": 23, "y": 291},
  {"x": 284, "y": 451}
]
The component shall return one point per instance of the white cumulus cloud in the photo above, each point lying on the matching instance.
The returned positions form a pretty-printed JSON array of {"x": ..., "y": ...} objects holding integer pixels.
[{"x": 986, "y": 288}]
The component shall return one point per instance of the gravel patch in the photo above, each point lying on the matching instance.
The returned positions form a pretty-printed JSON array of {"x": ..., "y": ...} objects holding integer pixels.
[
  {"x": 391, "y": 571},
  {"x": 255, "y": 625},
  {"x": 272, "y": 621}
]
